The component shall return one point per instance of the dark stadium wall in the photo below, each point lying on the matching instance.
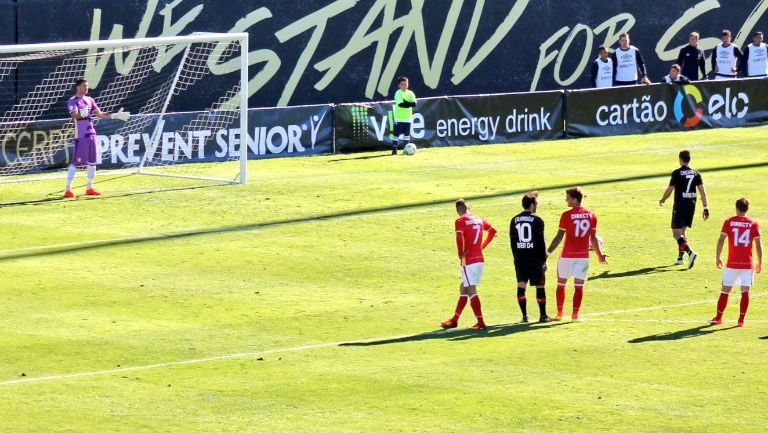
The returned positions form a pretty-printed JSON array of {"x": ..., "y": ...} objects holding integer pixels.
[
  {"x": 7, "y": 22},
  {"x": 319, "y": 51},
  {"x": 8, "y": 37}
]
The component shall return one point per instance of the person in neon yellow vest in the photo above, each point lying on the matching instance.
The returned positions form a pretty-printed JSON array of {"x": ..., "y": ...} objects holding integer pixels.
[{"x": 405, "y": 100}]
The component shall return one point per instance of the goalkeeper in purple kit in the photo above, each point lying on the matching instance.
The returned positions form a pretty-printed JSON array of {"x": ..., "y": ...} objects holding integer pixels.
[{"x": 82, "y": 109}]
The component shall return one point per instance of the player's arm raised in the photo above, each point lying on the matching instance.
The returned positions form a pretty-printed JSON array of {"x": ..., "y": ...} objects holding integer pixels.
[
  {"x": 75, "y": 115},
  {"x": 719, "y": 252},
  {"x": 119, "y": 114},
  {"x": 703, "y": 195}
]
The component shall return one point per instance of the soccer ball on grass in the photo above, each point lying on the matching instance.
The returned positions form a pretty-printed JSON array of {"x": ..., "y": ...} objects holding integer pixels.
[{"x": 409, "y": 149}]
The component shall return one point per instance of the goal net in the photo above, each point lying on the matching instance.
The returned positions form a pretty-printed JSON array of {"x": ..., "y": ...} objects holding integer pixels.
[{"x": 187, "y": 97}]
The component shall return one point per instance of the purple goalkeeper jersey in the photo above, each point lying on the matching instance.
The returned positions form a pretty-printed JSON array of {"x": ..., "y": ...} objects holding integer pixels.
[{"x": 84, "y": 126}]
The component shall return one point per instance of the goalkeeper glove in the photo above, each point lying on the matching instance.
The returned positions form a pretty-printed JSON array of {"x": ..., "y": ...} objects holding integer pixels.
[{"x": 121, "y": 115}]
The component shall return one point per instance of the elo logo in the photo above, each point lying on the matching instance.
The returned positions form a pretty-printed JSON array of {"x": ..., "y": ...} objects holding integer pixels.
[{"x": 681, "y": 97}]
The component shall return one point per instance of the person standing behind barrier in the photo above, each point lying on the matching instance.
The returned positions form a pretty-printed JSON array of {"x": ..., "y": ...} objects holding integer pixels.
[
  {"x": 691, "y": 59},
  {"x": 405, "y": 100},
  {"x": 628, "y": 64},
  {"x": 726, "y": 58},
  {"x": 602, "y": 69},
  {"x": 755, "y": 57},
  {"x": 675, "y": 77}
]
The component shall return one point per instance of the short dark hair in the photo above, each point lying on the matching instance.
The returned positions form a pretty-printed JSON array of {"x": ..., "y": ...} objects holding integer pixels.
[
  {"x": 575, "y": 193},
  {"x": 531, "y": 197},
  {"x": 742, "y": 204},
  {"x": 601, "y": 48},
  {"x": 80, "y": 81},
  {"x": 685, "y": 156},
  {"x": 757, "y": 34},
  {"x": 462, "y": 204},
  {"x": 401, "y": 78},
  {"x": 675, "y": 66},
  {"x": 725, "y": 32},
  {"x": 624, "y": 35}
]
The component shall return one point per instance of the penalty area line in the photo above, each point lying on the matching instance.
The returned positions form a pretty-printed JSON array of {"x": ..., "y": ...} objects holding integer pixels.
[{"x": 250, "y": 354}]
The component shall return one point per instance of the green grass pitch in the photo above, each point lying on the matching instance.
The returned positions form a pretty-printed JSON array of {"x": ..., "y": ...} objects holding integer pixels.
[{"x": 308, "y": 300}]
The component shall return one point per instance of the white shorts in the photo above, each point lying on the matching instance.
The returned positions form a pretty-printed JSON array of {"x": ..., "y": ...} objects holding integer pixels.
[
  {"x": 472, "y": 274},
  {"x": 576, "y": 268},
  {"x": 737, "y": 277}
]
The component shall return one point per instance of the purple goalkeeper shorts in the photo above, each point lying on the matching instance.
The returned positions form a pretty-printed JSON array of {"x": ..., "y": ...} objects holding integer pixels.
[{"x": 85, "y": 150}]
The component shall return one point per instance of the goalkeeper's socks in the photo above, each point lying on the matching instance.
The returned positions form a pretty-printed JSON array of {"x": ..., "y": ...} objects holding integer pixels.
[
  {"x": 474, "y": 302},
  {"x": 560, "y": 298},
  {"x": 578, "y": 295},
  {"x": 91, "y": 174},
  {"x": 743, "y": 306},
  {"x": 71, "y": 170},
  {"x": 522, "y": 301},
  {"x": 460, "y": 307},
  {"x": 541, "y": 298},
  {"x": 722, "y": 302}
]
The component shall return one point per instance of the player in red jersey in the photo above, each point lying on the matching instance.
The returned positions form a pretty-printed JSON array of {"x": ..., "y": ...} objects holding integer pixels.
[
  {"x": 741, "y": 232},
  {"x": 579, "y": 226},
  {"x": 470, "y": 245}
]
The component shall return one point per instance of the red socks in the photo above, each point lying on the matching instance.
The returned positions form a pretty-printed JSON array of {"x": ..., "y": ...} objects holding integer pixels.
[
  {"x": 474, "y": 302},
  {"x": 460, "y": 307},
  {"x": 722, "y": 302},
  {"x": 560, "y": 295},
  {"x": 578, "y": 295},
  {"x": 743, "y": 306}
]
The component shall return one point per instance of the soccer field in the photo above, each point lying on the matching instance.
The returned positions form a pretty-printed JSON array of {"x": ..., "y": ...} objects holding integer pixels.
[{"x": 309, "y": 300}]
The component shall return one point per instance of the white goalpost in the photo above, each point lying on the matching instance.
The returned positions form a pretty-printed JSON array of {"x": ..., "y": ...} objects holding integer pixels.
[{"x": 205, "y": 75}]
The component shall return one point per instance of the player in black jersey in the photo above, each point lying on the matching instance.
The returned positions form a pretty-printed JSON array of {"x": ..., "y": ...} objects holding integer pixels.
[
  {"x": 526, "y": 237},
  {"x": 685, "y": 182}
]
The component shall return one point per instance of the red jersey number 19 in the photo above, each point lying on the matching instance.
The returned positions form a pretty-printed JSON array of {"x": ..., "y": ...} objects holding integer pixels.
[{"x": 582, "y": 228}]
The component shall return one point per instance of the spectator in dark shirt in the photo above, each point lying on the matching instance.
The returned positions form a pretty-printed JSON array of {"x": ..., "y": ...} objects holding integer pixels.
[
  {"x": 691, "y": 59},
  {"x": 675, "y": 77}
]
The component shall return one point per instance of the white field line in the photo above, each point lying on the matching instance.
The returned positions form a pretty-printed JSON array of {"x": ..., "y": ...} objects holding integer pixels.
[
  {"x": 241, "y": 355},
  {"x": 703, "y": 322}
]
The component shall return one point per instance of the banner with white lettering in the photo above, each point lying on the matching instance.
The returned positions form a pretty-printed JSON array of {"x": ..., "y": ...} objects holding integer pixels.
[
  {"x": 666, "y": 107},
  {"x": 454, "y": 121},
  {"x": 319, "y": 51},
  {"x": 275, "y": 132}
]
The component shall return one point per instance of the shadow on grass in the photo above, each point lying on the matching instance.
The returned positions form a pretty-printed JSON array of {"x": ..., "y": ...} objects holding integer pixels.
[
  {"x": 764, "y": 338},
  {"x": 636, "y": 272},
  {"x": 90, "y": 245},
  {"x": 500, "y": 330},
  {"x": 682, "y": 334},
  {"x": 58, "y": 195}
]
